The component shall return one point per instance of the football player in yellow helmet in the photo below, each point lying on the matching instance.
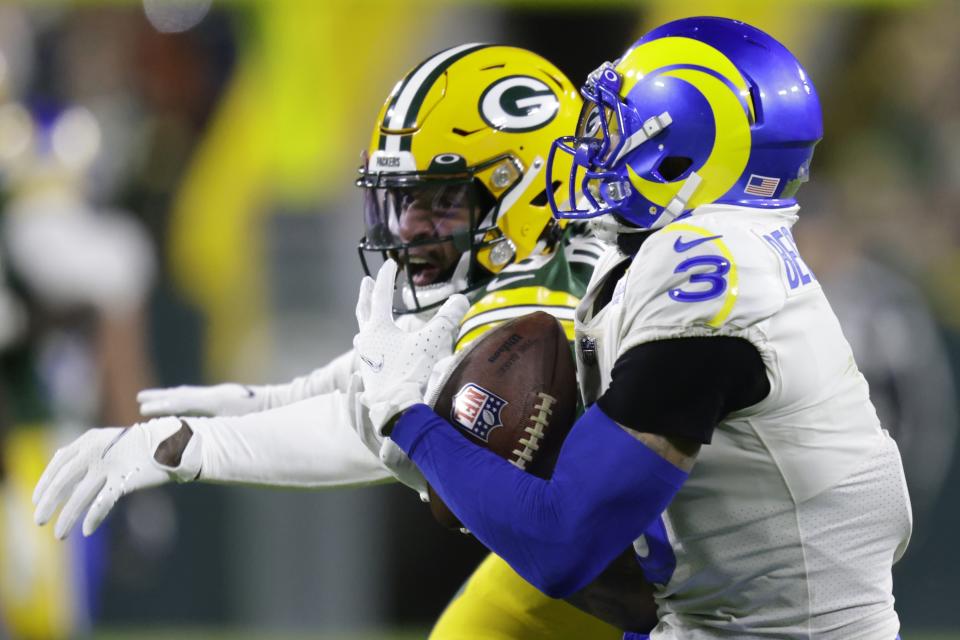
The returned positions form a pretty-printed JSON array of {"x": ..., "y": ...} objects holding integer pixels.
[
  {"x": 453, "y": 176},
  {"x": 455, "y": 192},
  {"x": 454, "y": 189}
]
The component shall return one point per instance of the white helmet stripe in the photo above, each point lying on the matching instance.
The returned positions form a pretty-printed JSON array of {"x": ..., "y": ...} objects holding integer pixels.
[{"x": 398, "y": 111}]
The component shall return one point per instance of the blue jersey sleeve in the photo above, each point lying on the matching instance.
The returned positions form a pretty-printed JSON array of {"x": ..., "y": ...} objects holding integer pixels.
[{"x": 559, "y": 534}]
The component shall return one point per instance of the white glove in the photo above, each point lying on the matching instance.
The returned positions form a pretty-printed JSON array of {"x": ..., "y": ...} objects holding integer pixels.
[
  {"x": 438, "y": 377},
  {"x": 103, "y": 465},
  {"x": 219, "y": 400},
  {"x": 396, "y": 364},
  {"x": 395, "y": 367},
  {"x": 386, "y": 450},
  {"x": 391, "y": 456}
]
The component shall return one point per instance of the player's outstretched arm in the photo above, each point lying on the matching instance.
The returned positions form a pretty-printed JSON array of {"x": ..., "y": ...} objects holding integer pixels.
[
  {"x": 89, "y": 475},
  {"x": 231, "y": 399},
  {"x": 308, "y": 444}
]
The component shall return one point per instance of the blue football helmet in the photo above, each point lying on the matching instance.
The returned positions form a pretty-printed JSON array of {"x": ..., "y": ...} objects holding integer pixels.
[{"x": 698, "y": 111}]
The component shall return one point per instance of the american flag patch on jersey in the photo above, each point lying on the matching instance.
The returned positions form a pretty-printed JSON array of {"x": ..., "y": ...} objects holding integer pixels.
[
  {"x": 761, "y": 186},
  {"x": 477, "y": 410}
]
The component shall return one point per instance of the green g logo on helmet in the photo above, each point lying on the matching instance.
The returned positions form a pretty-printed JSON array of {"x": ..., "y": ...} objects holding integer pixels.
[{"x": 518, "y": 103}]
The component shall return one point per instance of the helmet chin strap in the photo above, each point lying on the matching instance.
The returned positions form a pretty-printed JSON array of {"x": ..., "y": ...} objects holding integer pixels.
[
  {"x": 608, "y": 228},
  {"x": 605, "y": 228},
  {"x": 679, "y": 203}
]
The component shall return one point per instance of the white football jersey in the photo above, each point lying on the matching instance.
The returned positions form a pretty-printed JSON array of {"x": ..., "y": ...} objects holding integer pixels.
[{"x": 793, "y": 516}]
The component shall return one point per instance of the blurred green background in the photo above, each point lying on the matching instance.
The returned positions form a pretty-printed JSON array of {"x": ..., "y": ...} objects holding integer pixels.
[{"x": 212, "y": 147}]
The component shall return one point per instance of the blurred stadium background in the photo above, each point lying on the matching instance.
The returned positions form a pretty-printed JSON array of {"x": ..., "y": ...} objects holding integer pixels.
[{"x": 178, "y": 207}]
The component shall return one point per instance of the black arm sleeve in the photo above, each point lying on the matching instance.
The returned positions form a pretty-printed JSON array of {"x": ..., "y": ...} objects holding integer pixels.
[{"x": 684, "y": 386}]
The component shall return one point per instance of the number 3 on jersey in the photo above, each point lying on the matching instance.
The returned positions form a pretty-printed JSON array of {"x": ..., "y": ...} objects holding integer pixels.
[
  {"x": 709, "y": 275},
  {"x": 713, "y": 276}
]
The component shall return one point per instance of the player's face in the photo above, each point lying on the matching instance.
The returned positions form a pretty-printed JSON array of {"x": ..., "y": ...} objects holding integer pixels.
[
  {"x": 426, "y": 227},
  {"x": 429, "y": 217}
]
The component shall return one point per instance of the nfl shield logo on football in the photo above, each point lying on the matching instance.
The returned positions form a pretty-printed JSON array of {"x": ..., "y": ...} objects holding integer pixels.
[{"x": 477, "y": 410}]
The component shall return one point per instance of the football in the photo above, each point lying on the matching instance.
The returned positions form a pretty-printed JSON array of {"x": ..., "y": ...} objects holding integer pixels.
[{"x": 515, "y": 393}]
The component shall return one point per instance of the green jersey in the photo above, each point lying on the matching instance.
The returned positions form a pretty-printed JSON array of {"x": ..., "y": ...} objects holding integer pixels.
[{"x": 552, "y": 281}]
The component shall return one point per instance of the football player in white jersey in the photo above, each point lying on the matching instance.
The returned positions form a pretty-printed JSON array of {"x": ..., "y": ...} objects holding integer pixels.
[{"x": 729, "y": 436}]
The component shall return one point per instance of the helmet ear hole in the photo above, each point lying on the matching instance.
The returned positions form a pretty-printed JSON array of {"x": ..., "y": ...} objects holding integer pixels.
[
  {"x": 757, "y": 105},
  {"x": 672, "y": 167}
]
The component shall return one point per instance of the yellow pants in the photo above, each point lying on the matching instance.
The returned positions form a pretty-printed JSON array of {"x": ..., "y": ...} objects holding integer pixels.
[{"x": 497, "y": 604}]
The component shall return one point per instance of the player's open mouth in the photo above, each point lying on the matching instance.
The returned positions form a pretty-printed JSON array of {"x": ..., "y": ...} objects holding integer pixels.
[{"x": 424, "y": 270}]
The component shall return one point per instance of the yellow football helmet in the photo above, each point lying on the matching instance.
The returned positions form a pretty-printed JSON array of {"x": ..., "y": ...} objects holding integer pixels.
[{"x": 453, "y": 179}]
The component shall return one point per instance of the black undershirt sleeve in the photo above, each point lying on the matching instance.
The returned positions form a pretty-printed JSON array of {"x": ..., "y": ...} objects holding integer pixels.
[{"x": 684, "y": 386}]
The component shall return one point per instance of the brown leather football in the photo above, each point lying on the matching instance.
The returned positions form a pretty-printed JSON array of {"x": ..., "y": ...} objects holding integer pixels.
[{"x": 515, "y": 393}]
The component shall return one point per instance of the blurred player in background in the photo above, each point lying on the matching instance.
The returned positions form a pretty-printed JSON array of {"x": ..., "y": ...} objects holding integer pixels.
[
  {"x": 72, "y": 288},
  {"x": 703, "y": 339},
  {"x": 454, "y": 189},
  {"x": 80, "y": 275}
]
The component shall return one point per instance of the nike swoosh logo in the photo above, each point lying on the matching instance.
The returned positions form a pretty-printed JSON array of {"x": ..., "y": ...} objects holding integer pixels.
[
  {"x": 249, "y": 391},
  {"x": 376, "y": 366},
  {"x": 680, "y": 246},
  {"x": 499, "y": 283}
]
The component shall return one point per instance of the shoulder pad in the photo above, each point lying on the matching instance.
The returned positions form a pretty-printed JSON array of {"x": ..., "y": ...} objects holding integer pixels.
[{"x": 511, "y": 302}]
